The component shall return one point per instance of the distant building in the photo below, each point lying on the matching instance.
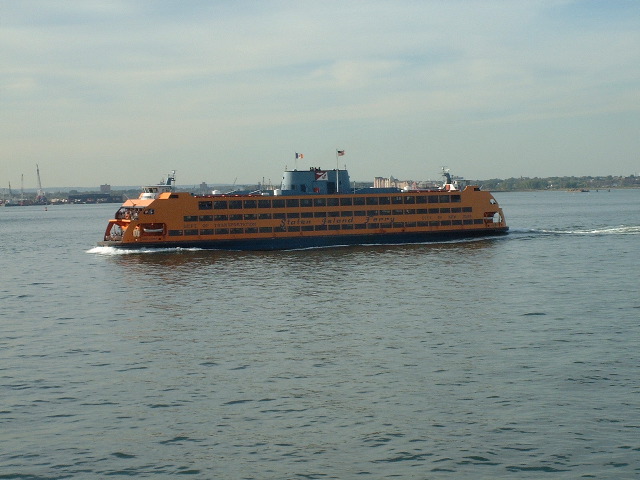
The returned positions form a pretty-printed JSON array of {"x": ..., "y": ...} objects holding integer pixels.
[
  {"x": 204, "y": 188},
  {"x": 382, "y": 182},
  {"x": 105, "y": 188}
]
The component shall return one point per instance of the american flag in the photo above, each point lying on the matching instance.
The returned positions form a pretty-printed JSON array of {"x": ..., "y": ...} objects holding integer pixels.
[{"x": 340, "y": 153}]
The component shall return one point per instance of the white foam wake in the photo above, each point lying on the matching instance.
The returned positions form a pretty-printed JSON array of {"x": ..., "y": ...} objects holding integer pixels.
[{"x": 124, "y": 251}]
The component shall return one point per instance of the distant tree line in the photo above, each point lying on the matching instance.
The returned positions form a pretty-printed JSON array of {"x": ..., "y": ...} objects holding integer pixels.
[{"x": 559, "y": 183}]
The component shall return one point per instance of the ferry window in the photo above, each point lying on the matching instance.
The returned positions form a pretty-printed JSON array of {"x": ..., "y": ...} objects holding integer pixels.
[
  {"x": 333, "y": 201},
  {"x": 306, "y": 214},
  {"x": 236, "y": 231},
  {"x": 235, "y": 203},
  {"x": 320, "y": 227},
  {"x": 220, "y": 204},
  {"x": 456, "y": 210},
  {"x": 477, "y": 221},
  {"x": 456, "y": 222},
  {"x": 467, "y": 222},
  {"x": 250, "y": 216},
  {"x": 266, "y": 229},
  {"x": 445, "y": 222},
  {"x": 444, "y": 198},
  {"x": 174, "y": 195},
  {"x": 425, "y": 224},
  {"x": 303, "y": 188},
  {"x": 249, "y": 204},
  {"x": 445, "y": 210},
  {"x": 372, "y": 200},
  {"x": 222, "y": 231},
  {"x": 206, "y": 231},
  {"x": 220, "y": 218},
  {"x": 190, "y": 218},
  {"x": 359, "y": 201},
  {"x": 385, "y": 225},
  {"x": 278, "y": 203},
  {"x": 398, "y": 212},
  {"x": 396, "y": 200},
  {"x": 398, "y": 224},
  {"x": 264, "y": 216},
  {"x": 372, "y": 213},
  {"x": 191, "y": 232},
  {"x": 205, "y": 205},
  {"x": 433, "y": 223},
  {"x": 293, "y": 215},
  {"x": 421, "y": 199},
  {"x": 385, "y": 212},
  {"x": 307, "y": 228},
  {"x": 410, "y": 224},
  {"x": 206, "y": 218},
  {"x": 319, "y": 214},
  {"x": 293, "y": 228},
  {"x": 467, "y": 209},
  {"x": 359, "y": 213},
  {"x": 264, "y": 203},
  {"x": 279, "y": 229},
  {"x": 433, "y": 198},
  {"x": 455, "y": 198},
  {"x": 434, "y": 210},
  {"x": 235, "y": 216},
  {"x": 422, "y": 210},
  {"x": 251, "y": 230},
  {"x": 346, "y": 226},
  {"x": 346, "y": 201},
  {"x": 334, "y": 214},
  {"x": 346, "y": 213},
  {"x": 306, "y": 202},
  {"x": 279, "y": 215},
  {"x": 334, "y": 227},
  {"x": 293, "y": 202},
  {"x": 385, "y": 200},
  {"x": 319, "y": 202},
  {"x": 373, "y": 226},
  {"x": 360, "y": 226},
  {"x": 175, "y": 233},
  {"x": 409, "y": 199}
]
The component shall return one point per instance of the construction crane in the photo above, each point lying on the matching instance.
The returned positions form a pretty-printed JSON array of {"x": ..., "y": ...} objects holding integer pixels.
[{"x": 41, "y": 198}]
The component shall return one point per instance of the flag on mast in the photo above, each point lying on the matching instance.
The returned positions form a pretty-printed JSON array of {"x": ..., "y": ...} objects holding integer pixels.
[
  {"x": 340, "y": 152},
  {"x": 299, "y": 155}
]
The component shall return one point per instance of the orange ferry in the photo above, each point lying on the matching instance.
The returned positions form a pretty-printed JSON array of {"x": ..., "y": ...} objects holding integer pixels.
[{"x": 313, "y": 208}]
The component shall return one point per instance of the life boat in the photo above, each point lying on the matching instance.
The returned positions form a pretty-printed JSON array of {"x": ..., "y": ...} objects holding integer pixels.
[{"x": 153, "y": 229}]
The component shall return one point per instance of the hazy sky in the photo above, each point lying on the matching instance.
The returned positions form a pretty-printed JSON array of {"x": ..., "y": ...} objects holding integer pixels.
[{"x": 122, "y": 92}]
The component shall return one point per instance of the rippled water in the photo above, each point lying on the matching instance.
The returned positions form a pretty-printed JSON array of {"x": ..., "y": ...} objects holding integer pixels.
[{"x": 512, "y": 357}]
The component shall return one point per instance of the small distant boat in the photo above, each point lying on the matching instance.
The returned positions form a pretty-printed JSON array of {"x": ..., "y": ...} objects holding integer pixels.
[
  {"x": 581, "y": 190},
  {"x": 312, "y": 208}
]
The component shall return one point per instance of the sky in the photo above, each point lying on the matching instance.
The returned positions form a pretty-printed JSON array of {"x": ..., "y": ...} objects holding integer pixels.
[{"x": 223, "y": 91}]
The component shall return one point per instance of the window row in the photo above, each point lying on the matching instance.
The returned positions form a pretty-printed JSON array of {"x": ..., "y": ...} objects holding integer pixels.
[
  {"x": 344, "y": 213},
  {"x": 325, "y": 201},
  {"x": 316, "y": 228}
]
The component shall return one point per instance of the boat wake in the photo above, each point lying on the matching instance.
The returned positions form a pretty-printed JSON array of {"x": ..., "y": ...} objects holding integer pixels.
[
  {"x": 111, "y": 251},
  {"x": 618, "y": 230}
]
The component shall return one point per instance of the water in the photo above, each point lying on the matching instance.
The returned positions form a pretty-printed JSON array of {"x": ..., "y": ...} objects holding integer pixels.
[{"x": 512, "y": 357}]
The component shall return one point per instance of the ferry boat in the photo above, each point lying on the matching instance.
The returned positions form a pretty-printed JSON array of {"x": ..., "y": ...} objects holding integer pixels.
[{"x": 312, "y": 208}]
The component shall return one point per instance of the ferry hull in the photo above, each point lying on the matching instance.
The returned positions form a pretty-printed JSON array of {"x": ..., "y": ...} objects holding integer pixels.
[
  {"x": 308, "y": 212},
  {"x": 292, "y": 243}
]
